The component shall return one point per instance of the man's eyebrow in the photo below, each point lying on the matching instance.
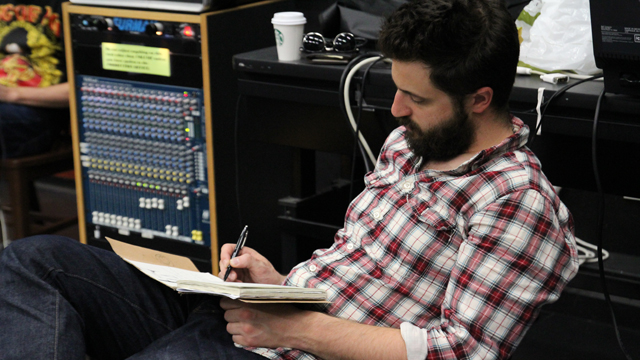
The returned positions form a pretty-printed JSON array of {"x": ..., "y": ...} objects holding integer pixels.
[{"x": 407, "y": 92}]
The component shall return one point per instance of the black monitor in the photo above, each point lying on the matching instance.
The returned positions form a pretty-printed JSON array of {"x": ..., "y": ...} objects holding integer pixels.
[{"x": 615, "y": 26}]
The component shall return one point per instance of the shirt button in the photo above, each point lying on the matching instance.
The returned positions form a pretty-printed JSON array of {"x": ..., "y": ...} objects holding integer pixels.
[
  {"x": 350, "y": 246},
  {"x": 313, "y": 268},
  {"x": 407, "y": 185},
  {"x": 377, "y": 215}
]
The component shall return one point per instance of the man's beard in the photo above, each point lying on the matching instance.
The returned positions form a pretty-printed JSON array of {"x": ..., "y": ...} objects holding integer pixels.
[{"x": 443, "y": 141}]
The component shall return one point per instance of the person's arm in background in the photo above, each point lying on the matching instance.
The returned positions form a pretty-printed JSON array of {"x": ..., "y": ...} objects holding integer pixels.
[{"x": 54, "y": 96}]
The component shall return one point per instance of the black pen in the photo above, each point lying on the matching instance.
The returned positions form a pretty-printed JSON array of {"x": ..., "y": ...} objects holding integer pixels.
[{"x": 241, "y": 240}]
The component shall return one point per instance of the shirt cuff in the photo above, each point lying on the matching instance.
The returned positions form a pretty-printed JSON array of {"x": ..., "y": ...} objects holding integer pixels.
[{"x": 415, "y": 339}]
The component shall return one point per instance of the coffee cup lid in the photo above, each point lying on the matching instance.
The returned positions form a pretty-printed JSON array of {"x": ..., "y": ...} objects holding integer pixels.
[{"x": 288, "y": 18}]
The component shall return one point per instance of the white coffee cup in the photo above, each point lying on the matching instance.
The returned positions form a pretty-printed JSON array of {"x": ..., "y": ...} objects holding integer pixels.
[{"x": 288, "y": 28}]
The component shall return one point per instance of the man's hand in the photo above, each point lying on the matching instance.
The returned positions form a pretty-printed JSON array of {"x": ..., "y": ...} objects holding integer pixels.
[
  {"x": 249, "y": 266},
  {"x": 282, "y": 325},
  {"x": 262, "y": 325}
]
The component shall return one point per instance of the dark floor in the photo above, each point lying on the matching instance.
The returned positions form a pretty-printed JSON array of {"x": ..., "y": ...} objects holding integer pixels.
[{"x": 557, "y": 334}]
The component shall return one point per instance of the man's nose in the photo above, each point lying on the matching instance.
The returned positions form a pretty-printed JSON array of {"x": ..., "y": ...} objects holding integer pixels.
[{"x": 399, "y": 109}]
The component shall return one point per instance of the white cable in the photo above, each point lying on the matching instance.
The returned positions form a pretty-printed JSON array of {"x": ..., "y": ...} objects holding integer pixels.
[
  {"x": 538, "y": 105},
  {"x": 5, "y": 233},
  {"x": 582, "y": 77},
  {"x": 347, "y": 104},
  {"x": 521, "y": 70},
  {"x": 584, "y": 254},
  {"x": 590, "y": 256}
]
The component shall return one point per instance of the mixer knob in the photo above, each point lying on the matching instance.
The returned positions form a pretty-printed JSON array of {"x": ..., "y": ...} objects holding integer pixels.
[{"x": 155, "y": 28}]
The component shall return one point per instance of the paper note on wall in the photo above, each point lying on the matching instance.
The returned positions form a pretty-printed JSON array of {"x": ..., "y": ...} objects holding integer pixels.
[{"x": 136, "y": 58}]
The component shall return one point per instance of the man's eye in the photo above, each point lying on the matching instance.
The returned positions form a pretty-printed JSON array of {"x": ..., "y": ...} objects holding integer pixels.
[{"x": 417, "y": 100}]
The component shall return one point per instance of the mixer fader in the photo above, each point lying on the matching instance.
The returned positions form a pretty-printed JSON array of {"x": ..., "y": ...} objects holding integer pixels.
[{"x": 143, "y": 158}]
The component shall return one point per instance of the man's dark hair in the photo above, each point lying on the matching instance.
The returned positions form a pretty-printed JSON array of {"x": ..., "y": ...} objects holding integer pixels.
[{"x": 466, "y": 44}]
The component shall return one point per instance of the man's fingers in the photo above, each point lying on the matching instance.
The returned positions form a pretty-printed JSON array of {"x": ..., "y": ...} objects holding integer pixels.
[
  {"x": 223, "y": 273},
  {"x": 225, "y": 257},
  {"x": 236, "y": 331},
  {"x": 241, "y": 262},
  {"x": 229, "y": 304},
  {"x": 225, "y": 252}
]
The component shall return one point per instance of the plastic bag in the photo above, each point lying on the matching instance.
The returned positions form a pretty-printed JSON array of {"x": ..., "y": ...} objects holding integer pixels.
[{"x": 555, "y": 35}]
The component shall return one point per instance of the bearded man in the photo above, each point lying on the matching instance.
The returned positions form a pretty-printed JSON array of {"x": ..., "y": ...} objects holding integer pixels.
[{"x": 450, "y": 251}]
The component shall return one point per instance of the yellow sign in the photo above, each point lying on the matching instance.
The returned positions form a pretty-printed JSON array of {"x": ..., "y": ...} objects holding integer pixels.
[{"x": 136, "y": 58}]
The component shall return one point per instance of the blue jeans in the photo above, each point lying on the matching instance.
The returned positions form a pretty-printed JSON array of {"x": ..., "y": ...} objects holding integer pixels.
[
  {"x": 26, "y": 130},
  {"x": 60, "y": 299}
]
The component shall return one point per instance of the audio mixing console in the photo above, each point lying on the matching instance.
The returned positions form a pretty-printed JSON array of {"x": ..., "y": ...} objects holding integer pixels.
[
  {"x": 144, "y": 158},
  {"x": 150, "y": 92},
  {"x": 141, "y": 126}
]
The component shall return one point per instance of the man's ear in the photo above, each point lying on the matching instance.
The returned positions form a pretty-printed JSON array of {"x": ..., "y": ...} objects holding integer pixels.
[{"x": 481, "y": 99}]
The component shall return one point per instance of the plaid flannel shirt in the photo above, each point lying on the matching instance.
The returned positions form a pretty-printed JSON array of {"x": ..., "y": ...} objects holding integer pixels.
[{"x": 462, "y": 258}]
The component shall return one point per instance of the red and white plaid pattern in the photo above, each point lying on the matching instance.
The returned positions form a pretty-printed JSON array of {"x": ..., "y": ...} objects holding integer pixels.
[{"x": 470, "y": 255}]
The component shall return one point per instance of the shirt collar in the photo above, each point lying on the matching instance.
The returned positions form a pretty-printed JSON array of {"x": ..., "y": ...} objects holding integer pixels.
[{"x": 509, "y": 144}]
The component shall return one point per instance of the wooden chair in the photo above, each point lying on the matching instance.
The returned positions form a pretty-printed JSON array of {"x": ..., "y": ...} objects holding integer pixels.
[{"x": 21, "y": 204}]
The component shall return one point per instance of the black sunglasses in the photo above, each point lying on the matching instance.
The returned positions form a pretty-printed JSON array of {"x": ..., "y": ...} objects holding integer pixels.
[{"x": 343, "y": 42}]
